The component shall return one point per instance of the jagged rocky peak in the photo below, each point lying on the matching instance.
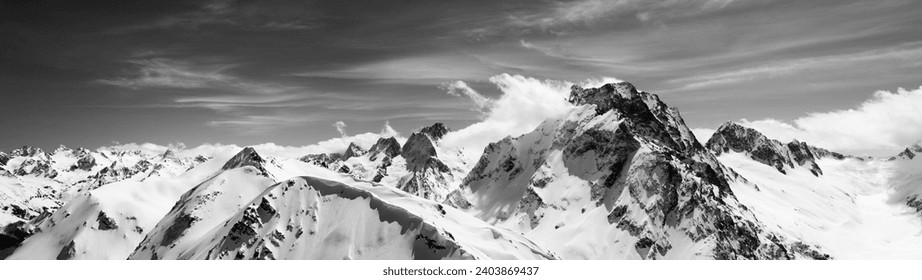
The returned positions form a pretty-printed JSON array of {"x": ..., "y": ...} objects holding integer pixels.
[
  {"x": 353, "y": 151},
  {"x": 910, "y": 152},
  {"x": 62, "y": 149},
  {"x": 644, "y": 114},
  {"x": 418, "y": 150},
  {"x": 169, "y": 153},
  {"x": 246, "y": 157},
  {"x": 322, "y": 160},
  {"x": 435, "y": 131},
  {"x": 85, "y": 163},
  {"x": 603, "y": 95},
  {"x": 637, "y": 167},
  {"x": 736, "y": 138},
  {"x": 4, "y": 158},
  {"x": 385, "y": 146},
  {"x": 27, "y": 151}
]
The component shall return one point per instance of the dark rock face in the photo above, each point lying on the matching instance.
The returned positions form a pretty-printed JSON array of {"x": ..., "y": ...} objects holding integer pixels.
[
  {"x": 85, "y": 162},
  {"x": 388, "y": 147},
  {"x": 736, "y": 138},
  {"x": 4, "y": 158},
  {"x": 643, "y": 113},
  {"x": 322, "y": 160},
  {"x": 427, "y": 172},
  {"x": 36, "y": 168},
  {"x": 909, "y": 153},
  {"x": 246, "y": 157},
  {"x": 105, "y": 222},
  {"x": 417, "y": 151},
  {"x": 435, "y": 131},
  {"x": 68, "y": 251},
  {"x": 176, "y": 230},
  {"x": 12, "y": 235},
  {"x": 353, "y": 151}
]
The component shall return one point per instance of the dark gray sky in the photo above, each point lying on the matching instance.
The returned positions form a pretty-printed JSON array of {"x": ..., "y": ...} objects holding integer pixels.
[{"x": 90, "y": 73}]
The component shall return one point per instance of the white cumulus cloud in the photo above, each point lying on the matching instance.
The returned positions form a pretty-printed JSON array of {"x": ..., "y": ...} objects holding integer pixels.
[
  {"x": 525, "y": 103},
  {"x": 882, "y": 125},
  {"x": 341, "y": 127}
]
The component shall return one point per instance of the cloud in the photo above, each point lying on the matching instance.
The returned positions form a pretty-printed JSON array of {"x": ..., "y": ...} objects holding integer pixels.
[
  {"x": 166, "y": 73},
  {"x": 911, "y": 53},
  {"x": 586, "y": 12},
  {"x": 882, "y": 125},
  {"x": 179, "y": 74},
  {"x": 341, "y": 127},
  {"x": 263, "y": 16},
  {"x": 461, "y": 89},
  {"x": 388, "y": 131},
  {"x": 525, "y": 103},
  {"x": 241, "y": 102},
  {"x": 425, "y": 69}
]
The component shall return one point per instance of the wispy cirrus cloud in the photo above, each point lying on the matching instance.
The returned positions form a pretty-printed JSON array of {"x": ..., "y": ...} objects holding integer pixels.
[
  {"x": 587, "y": 12},
  {"x": 244, "y": 105},
  {"x": 909, "y": 54},
  {"x": 417, "y": 69},
  {"x": 167, "y": 73},
  {"x": 264, "y": 16},
  {"x": 461, "y": 89},
  {"x": 180, "y": 74}
]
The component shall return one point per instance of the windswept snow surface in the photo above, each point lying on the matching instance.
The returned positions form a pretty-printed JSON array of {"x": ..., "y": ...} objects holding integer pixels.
[
  {"x": 313, "y": 218},
  {"x": 110, "y": 221},
  {"x": 855, "y": 210}
]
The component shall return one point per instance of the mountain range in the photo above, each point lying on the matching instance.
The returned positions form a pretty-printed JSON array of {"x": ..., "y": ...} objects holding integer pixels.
[{"x": 619, "y": 176}]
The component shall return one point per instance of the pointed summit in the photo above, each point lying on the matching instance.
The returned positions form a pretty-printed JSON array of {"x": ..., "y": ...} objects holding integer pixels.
[
  {"x": 386, "y": 146},
  {"x": 246, "y": 157},
  {"x": 168, "y": 154},
  {"x": 604, "y": 94},
  {"x": 736, "y": 138},
  {"x": 418, "y": 150},
  {"x": 62, "y": 148},
  {"x": 353, "y": 151},
  {"x": 436, "y": 131},
  {"x": 910, "y": 152}
]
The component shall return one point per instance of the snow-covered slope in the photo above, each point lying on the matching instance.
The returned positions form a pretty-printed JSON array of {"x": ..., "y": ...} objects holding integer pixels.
[
  {"x": 108, "y": 222},
  {"x": 34, "y": 182},
  {"x": 620, "y": 177},
  {"x": 207, "y": 205},
  {"x": 312, "y": 218},
  {"x": 858, "y": 209}
]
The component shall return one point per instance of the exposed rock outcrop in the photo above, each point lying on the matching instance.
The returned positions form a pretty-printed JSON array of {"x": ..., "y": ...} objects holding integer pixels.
[{"x": 736, "y": 138}]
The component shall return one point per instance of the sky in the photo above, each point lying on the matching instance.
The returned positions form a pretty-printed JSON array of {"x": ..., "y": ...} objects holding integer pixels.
[{"x": 96, "y": 73}]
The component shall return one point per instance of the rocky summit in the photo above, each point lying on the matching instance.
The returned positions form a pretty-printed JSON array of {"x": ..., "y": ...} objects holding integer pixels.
[
  {"x": 731, "y": 137},
  {"x": 621, "y": 164}
]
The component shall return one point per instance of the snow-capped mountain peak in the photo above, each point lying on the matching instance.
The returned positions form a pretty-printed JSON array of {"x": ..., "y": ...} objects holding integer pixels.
[
  {"x": 246, "y": 157},
  {"x": 620, "y": 166},
  {"x": 732, "y": 137}
]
